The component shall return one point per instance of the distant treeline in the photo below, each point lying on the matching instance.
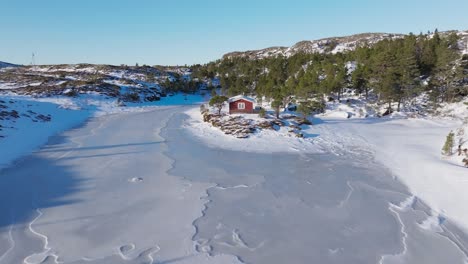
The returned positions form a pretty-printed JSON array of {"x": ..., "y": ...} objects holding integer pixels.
[{"x": 395, "y": 69}]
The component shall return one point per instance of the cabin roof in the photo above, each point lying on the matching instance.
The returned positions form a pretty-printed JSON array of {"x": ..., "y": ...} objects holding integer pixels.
[{"x": 241, "y": 97}]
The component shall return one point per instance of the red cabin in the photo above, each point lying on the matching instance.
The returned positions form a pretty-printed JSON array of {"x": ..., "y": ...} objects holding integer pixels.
[{"x": 241, "y": 104}]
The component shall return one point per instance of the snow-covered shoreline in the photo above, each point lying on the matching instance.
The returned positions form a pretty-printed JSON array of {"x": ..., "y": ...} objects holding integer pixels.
[
  {"x": 23, "y": 135},
  {"x": 409, "y": 147}
]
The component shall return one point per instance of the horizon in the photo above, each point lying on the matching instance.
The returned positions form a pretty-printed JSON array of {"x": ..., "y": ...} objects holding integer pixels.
[{"x": 187, "y": 33}]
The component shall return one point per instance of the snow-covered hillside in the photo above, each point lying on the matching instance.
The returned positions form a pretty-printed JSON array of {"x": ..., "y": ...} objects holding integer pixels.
[
  {"x": 463, "y": 44},
  {"x": 27, "y": 122},
  {"x": 327, "y": 45},
  {"x": 332, "y": 45},
  {"x": 128, "y": 83}
]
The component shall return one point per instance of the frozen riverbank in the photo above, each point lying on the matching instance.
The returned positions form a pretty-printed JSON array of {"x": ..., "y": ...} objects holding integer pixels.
[
  {"x": 281, "y": 207},
  {"x": 26, "y": 123}
]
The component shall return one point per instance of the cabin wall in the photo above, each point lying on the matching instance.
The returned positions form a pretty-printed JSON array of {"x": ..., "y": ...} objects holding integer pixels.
[{"x": 233, "y": 107}]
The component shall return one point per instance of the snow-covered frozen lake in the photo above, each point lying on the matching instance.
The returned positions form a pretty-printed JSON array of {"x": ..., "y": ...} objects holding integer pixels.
[{"x": 139, "y": 188}]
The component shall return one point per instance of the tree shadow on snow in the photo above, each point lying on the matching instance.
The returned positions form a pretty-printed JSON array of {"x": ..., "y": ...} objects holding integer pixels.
[
  {"x": 57, "y": 149},
  {"x": 309, "y": 135},
  {"x": 317, "y": 121},
  {"x": 33, "y": 183},
  {"x": 367, "y": 120}
]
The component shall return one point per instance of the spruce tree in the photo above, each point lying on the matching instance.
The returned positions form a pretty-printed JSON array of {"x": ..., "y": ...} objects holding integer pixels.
[
  {"x": 445, "y": 70},
  {"x": 360, "y": 79},
  {"x": 386, "y": 75},
  {"x": 408, "y": 70},
  {"x": 447, "y": 149},
  {"x": 217, "y": 102},
  {"x": 276, "y": 105}
]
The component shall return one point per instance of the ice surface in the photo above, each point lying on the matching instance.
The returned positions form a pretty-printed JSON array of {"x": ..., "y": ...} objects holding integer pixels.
[
  {"x": 314, "y": 208},
  {"x": 76, "y": 200},
  {"x": 139, "y": 188}
]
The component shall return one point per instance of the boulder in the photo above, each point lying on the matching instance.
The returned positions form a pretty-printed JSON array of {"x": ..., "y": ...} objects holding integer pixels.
[
  {"x": 265, "y": 125},
  {"x": 277, "y": 122},
  {"x": 302, "y": 121},
  {"x": 152, "y": 98},
  {"x": 295, "y": 127}
]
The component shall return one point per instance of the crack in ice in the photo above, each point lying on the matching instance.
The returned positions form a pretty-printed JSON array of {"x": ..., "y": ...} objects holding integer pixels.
[
  {"x": 37, "y": 258},
  {"x": 11, "y": 240}
]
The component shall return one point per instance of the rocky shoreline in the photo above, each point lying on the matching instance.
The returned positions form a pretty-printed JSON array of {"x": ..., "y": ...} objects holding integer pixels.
[{"x": 242, "y": 127}]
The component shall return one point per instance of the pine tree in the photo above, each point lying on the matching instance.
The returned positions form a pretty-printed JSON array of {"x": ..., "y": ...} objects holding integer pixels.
[
  {"x": 335, "y": 77},
  {"x": 276, "y": 105},
  {"x": 360, "y": 79},
  {"x": 428, "y": 56},
  {"x": 408, "y": 70},
  {"x": 217, "y": 102},
  {"x": 213, "y": 93},
  {"x": 445, "y": 70},
  {"x": 386, "y": 75},
  {"x": 392, "y": 67},
  {"x": 262, "y": 113},
  {"x": 305, "y": 108},
  {"x": 340, "y": 79},
  {"x": 447, "y": 149}
]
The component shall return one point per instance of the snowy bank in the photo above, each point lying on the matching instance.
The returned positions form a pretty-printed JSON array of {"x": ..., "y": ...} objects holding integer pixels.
[
  {"x": 320, "y": 137},
  {"x": 26, "y": 133},
  {"x": 23, "y": 134},
  {"x": 411, "y": 148}
]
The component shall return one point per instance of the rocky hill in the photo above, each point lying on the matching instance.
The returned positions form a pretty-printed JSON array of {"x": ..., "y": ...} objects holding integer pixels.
[
  {"x": 331, "y": 45},
  {"x": 6, "y": 64},
  {"x": 126, "y": 83}
]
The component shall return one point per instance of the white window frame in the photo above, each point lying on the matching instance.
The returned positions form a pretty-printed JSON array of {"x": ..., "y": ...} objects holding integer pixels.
[{"x": 241, "y": 106}]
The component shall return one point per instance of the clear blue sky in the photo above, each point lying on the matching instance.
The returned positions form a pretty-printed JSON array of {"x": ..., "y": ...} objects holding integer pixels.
[{"x": 177, "y": 32}]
